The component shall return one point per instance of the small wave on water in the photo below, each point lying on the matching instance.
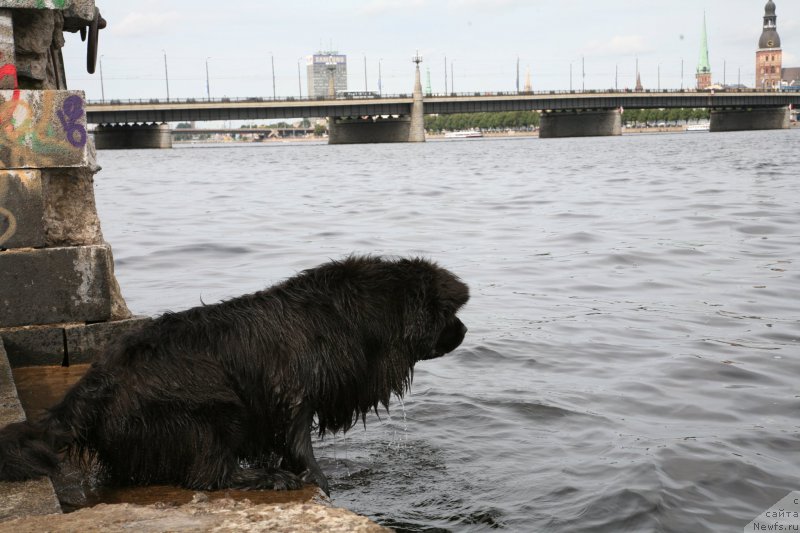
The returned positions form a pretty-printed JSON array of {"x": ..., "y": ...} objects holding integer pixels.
[{"x": 634, "y": 334}]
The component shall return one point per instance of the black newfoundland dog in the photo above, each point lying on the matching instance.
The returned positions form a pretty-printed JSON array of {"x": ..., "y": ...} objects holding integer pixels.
[{"x": 226, "y": 395}]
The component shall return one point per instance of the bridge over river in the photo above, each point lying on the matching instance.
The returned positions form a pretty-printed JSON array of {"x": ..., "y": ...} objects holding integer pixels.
[{"x": 391, "y": 118}]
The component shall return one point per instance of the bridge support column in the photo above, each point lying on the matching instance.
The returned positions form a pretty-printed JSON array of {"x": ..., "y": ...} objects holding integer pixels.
[
  {"x": 130, "y": 136},
  {"x": 580, "y": 123},
  {"x": 368, "y": 130},
  {"x": 771, "y": 118}
]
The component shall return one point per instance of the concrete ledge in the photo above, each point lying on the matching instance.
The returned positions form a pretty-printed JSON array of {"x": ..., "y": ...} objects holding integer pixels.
[
  {"x": 25, "y": 498},
  {"x": 64, "y": 344},
  {"x": 21, "y": 209},
  {"x": 87, "y": 343},
  {"x": 216, "y": 515},
  {"x": 55, "y": 285},
  {"x": 34, "y": 345}
]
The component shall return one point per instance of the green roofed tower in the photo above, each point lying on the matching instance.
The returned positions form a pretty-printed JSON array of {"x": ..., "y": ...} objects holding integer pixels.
[{"x": 703, "y": 65}]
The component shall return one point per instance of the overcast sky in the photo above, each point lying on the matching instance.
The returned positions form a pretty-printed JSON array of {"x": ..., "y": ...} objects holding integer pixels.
[{"x": 482, "y": 39}]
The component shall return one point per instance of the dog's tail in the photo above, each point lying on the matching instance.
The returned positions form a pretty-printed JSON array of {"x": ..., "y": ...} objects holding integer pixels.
[{"x": 33, "y": 449}]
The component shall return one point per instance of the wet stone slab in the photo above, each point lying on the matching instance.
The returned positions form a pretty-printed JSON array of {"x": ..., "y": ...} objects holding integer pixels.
[
  {"x": 218, "y": 515},
  {"x": 24, "y": 498}
]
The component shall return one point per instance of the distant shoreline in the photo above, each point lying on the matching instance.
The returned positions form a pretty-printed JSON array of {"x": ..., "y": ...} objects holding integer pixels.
[{"x": 437, "y": 136}]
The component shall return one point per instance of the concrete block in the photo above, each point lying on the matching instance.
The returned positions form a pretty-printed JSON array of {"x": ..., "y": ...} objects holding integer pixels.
[
  {"x": 55, "y": 285},
  {"x": 34, "y": 345},
  {"x": 87, "y": 343},
  {"x": 70, "y": 215},
  {"x": 26, "y": 498},
  {"x": 45, "y": 129},
  {"x": 21, "y": 209}
]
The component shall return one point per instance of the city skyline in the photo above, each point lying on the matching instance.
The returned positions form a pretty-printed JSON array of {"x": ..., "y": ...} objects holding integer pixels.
[{"x": 481, "y": 41}]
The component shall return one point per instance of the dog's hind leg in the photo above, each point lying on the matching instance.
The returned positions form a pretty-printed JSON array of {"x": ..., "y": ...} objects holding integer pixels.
[{"x": 301, "y": 452}]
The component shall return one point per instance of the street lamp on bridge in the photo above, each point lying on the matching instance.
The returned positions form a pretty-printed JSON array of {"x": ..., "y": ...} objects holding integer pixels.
[
  {"x": 166, "y": 72},
  {"x": 102, "y": 88},
  {"x": 208, "y": 84}
]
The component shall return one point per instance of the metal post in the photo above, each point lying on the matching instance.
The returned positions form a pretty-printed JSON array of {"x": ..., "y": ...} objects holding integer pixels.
[
  {"x": 724, "y": 73},
  {"x": 659, "y": 77},
  {"x": 380, "y": 81},
  {"x": 616, "y": 77},
  {"x": 272, "y": 60},
  {"x": 166, "y": 72},
  {"x": 208, "y": 84},
  {"x": 365, "y": 73},
  {"x": 102, "y": 87},
  {"x": 452, "y": 77},
  {"x": 583, "y": 74},
  {"x": 445, "y": 75},
  {"x": 517, "y": 74},
  {"x": 681, "y": 74},
  {"x": 299, "y": 79},
  {"x": 570, "y": 77}
]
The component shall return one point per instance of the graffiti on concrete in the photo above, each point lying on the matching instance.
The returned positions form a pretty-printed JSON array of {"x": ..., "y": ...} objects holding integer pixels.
[
  {"x": 41, "y": 128},
  {"x": 8, "y": 222},
  {"x": 69, "y": 115},
  {"x": 35, "y": 4}
]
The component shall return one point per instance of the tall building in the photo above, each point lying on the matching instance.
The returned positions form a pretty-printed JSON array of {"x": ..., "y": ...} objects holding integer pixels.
[
  {"x": 320, "y": 67},
  {"x": 703, "y": 74},
  {"x": 769, "y": 56}
]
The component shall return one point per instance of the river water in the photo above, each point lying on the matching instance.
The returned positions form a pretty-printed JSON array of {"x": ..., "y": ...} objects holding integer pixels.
[{"x": 633, "y": 355}]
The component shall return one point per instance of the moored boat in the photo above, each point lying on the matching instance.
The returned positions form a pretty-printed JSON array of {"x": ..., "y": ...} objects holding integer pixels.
[{"x": 467, "y": 134}]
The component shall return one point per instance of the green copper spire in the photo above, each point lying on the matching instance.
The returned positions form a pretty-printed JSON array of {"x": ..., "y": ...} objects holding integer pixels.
[{"x": 703, "y": 66}]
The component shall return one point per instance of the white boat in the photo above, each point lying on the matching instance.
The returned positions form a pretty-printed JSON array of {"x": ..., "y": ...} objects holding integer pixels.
[
  {"x": 468, "y": 134},
  {"x": 698, "y": 127}
]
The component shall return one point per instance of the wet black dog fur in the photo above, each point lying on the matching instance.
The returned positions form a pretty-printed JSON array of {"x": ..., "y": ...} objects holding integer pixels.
[{"x": 227, "y": 395}]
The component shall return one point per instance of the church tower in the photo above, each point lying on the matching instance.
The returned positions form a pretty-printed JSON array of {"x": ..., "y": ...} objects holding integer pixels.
[
  {"x": 703, "y": 66},
  {"x": 769, "y": 56}
]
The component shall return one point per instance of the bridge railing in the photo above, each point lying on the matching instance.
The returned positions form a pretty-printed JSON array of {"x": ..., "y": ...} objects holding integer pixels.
[{"x": 288, "y": 99}]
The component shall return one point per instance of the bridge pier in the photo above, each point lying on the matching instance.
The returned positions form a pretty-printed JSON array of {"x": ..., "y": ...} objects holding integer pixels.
[
  {"x": 132, "y": 136},
  {"x": 376, "y": 129},
  {"x": 769, "y": 118},
  {"x": 580, "y": 123},
  {"x": 362, "y": 130}
]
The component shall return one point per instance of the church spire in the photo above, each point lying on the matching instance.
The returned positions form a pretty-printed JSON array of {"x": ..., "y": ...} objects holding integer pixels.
[
  {"x": 769, "y": 36},
  {"x": 703, "y": 65},
  {"x": 769, "y": 56}
]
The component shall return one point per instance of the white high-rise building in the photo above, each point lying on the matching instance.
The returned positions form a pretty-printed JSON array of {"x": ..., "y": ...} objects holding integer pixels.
[{"x": 320, "y": 67}]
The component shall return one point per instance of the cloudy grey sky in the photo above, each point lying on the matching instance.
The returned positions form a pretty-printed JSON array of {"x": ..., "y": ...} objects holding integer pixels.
[{"x": 482, "y": 39}]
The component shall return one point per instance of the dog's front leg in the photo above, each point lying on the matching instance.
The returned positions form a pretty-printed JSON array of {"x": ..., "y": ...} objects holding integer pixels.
[{"x": 302, "y": 453}]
